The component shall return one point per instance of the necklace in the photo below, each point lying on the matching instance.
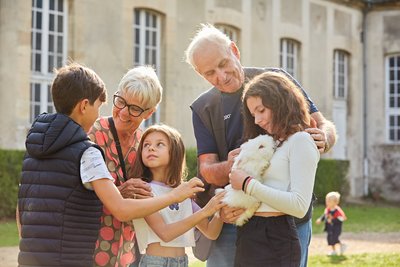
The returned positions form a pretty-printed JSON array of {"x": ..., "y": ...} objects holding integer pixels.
[
  {"x": 130, "y": 147},
  {"x": 127, "y": 153}
]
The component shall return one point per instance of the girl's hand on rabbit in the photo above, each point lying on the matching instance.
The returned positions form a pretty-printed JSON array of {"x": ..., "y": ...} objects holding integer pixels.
[
  {"x": 187, "y": 189},
  {"x": 215, "y": 204}
]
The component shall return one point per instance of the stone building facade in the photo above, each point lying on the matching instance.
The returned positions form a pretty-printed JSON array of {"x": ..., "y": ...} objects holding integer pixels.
[{"x": 346, "y": 53}]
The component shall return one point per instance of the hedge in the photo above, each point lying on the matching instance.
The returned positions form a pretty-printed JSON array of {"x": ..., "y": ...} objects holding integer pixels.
[
  {"x": 191, "y": 162},
  {"x": 10, "y": 173},
  {"x": 331, "y": 176}
]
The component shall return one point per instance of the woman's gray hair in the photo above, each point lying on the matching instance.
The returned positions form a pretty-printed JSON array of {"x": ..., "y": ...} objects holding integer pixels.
[
  {"x": 142, "y": 83},
  {"x": 209, "y": 33}
]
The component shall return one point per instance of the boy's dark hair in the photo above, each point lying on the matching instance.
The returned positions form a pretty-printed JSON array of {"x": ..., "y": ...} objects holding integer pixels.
[{"x": 74, "y": 83}]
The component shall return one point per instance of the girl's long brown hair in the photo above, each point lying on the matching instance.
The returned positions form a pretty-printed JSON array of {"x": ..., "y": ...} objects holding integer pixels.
[
  {"x": 177, "y": 165},
  {"x": 290, "y": 110}
]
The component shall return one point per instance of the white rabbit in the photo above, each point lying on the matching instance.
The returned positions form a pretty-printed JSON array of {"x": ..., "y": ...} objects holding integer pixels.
[{"x": 254, "y": 158}]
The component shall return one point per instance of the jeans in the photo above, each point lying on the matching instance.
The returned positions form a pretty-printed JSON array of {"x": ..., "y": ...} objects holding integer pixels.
[
  {"x": 304, "y": 232},
  {"x": 224, "y": 248},
  {"x": 156, "y": 261}
]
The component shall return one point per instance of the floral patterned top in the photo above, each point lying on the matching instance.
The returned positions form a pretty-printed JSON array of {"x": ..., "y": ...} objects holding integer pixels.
[{"x": 115, "y": 244}]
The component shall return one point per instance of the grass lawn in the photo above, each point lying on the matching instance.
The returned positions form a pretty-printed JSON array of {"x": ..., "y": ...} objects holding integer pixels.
[
  {"x": 8, "y": 233},
  {"x": 361, "y": 218},
  {"x": 358, "y": 260},
  {"x": 197, "y": 264},
  {"x": 364, "y": 218}
]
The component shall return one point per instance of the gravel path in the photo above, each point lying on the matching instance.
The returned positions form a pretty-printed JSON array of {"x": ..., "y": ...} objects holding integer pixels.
[
  {"x": 356, "y": 244},
  {"x": 359, "y": 243}
]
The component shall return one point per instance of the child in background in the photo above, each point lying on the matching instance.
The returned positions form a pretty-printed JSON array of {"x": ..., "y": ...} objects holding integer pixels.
[
  {"x": 333, "y": 217},
  {"x": 165, "y": 234}
]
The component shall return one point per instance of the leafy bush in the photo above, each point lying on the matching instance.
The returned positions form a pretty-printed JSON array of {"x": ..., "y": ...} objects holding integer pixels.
[
  {"x": 10, "y": 173},
  {"x": 331, "y": 176},
  {"x": 191, "y": 162}
]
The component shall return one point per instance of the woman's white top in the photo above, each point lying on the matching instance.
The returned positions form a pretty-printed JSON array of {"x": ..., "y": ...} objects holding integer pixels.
[
  {"x": 289, "y": 180},
  {"x": 173, "y": 213}
]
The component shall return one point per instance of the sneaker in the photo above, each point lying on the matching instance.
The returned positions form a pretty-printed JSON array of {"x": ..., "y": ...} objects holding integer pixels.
[
  {"x": 332, "y": 253},
  {"x": 343, "y": 248}
]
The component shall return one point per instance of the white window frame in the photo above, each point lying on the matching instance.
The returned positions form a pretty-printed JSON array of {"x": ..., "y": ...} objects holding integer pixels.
[
  {"x": 340, "y": 74},
  {"x": 232, "y": 32},
  {"x": 289, "y": 56},
  {"x": 43, "y": 75},
  {"x": 140, "y": 48},
  {"x": 393, "y": 113}
]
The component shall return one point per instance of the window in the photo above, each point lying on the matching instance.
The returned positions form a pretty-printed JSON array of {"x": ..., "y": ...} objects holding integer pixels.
[
  {"x": 37, "y": 99},
  {"x": 393, "y": 98},
  {"x": 340, "y": 74},
  {"x": 230, "y": 31},
  {"x": 289, "y": 55},
  {"x": 340, "y": 77},
  {"x": 147, "y": 35},
  {"x": 48, "y": 51}
]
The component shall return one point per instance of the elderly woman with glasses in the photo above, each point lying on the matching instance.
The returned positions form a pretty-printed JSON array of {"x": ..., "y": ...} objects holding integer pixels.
[{"x": 139, "y": 93}]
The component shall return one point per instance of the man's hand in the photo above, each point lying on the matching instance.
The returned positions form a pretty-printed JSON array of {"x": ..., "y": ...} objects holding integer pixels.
[
  {"x": 319, "y": 138},
  {"x": 230, "y": 215},
  {"x": 135, "y": 188},
  {"x": 322, "y": 131},
  {"x": 232, "y": 155}
]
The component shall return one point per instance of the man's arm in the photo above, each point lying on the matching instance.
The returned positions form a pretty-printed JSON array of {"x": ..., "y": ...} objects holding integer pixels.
[
  {"x": 323, "y": 133},
  {"x": 210, "y": 167},
  {"x": 214, "y": 171}
]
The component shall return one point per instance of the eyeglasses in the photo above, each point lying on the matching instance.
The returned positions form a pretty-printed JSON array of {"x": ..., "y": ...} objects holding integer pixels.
[{"x": 120, "y": 103}]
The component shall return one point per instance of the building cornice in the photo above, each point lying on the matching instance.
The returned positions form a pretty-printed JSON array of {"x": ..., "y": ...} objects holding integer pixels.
[{"x": 370, "y": 4}]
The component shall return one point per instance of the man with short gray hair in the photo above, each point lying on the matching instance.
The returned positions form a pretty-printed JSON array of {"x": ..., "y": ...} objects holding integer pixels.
[{"x": 218, "y": 128}]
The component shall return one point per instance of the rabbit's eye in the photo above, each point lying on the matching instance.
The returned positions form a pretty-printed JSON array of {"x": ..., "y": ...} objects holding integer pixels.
[{"x": 261, "y": 146}]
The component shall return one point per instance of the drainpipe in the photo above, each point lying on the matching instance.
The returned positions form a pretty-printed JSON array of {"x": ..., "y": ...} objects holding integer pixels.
[{"x": 366, "y": 9}]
